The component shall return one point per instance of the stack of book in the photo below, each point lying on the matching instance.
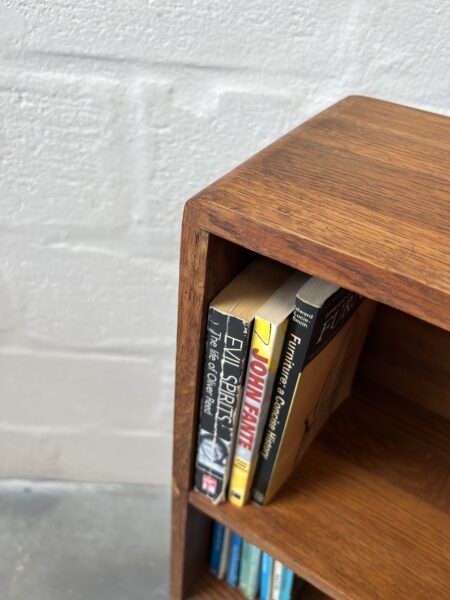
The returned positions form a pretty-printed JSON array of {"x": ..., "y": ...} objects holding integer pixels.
[
  {"x": 255, "y": 573},
  {"x": 281, "y": 351}
]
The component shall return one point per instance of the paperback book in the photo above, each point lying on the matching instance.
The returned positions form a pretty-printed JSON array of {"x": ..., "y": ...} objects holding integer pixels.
[
  {"x": 218, "y": 532},
  {"x": 254, "y": 570},
  {"x": 287, "y": 581},
  {"x": 319, "y": 357},
  {"x": 224, "y": 554},
  {"x": 230, "y": 319},
  {"x": 269, "y": 330},
  {"x": 234, "y": 560},
  {"x": 266, "y": 576},
  {"x": 276, "y": 583},
  {"x": 256, "y": 573},
  {"x": 245, "y": 566}
]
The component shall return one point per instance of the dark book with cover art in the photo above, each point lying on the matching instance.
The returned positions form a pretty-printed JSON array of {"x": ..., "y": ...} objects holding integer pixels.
[
  {"x": 321, "y": 350},
  {"x": 230, "y": 319},
  {"x": 226, "y": 349}
]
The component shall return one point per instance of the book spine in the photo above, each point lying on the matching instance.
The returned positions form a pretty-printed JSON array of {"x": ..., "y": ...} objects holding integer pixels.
[
  {"x": 224, "y": 554},
  {"x": 287, "y": 580},
  {"x": 276, "y": 585},
  {"x": 266, "y": 576},
  {"x": 310, "y": 330},
  {"x": 293, "y": 356},
  {"x": 254, "y": 572},
  {"x": 244, "y": 568},
  {"x": 234, "y": 560},
  {"x": 216, "y": 548},
  {"x": 225, "y": 356},
  {"x": 264, "y": 356},
  {"x": 332, "y": 317}
]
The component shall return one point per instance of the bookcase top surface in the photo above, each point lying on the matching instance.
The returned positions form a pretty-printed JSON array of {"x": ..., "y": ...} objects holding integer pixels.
[{"x": 359, "y": 195}]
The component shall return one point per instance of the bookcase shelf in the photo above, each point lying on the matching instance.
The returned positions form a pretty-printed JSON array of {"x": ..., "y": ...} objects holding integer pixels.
[
  {"x": 358, "y": 195},
  {"x": 209, "y": 588},
  {"x": 356, "y": 497}
]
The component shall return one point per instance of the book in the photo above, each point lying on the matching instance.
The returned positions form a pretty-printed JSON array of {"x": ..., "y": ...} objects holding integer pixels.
[
  {"x": 244, "y": 567},
  {"x": 269, "y": 330},
  {"x": 254, "y": 572},
  {"x": 234, "y": 559},
  {"x": 276, "y": 580},
  {"x": 266, "y": 576},
  {"x": 286, "y": 585},
  {"x": 218, "y": 532},
  {"x": 230, "y": 318},
  {"x": 319, "y": 357},
  {"x": 224, "y": 554}
]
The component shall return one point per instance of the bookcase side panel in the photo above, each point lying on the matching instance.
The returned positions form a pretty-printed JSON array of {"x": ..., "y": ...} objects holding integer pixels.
[
  {"x": 207, "y": 264},
  {"x": 194, "y": 246}
]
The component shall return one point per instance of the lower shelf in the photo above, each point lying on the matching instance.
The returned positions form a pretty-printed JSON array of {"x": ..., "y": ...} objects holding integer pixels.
[
  {"x": 366, "y": 514},
  {"x": 210, "y": 588}
]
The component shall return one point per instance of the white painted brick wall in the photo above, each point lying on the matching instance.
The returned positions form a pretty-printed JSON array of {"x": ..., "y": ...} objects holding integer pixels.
[{"x": 112, "y": 114}]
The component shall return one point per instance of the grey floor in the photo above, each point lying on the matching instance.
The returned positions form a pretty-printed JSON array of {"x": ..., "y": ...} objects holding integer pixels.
[{"x": 83, "y": 542}]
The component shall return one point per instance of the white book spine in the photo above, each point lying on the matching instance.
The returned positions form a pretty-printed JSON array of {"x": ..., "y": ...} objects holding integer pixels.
[
  {"x": 224, "y": 554},
  {"x": 276, "y": 580}
]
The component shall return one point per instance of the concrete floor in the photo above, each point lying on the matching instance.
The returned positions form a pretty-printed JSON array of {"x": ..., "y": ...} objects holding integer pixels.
[{"x": 83, "y": 541}]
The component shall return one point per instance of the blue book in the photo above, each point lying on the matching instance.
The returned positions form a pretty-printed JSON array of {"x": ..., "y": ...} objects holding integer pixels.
[
  {"x": 254, "y": 572},
  {"x": 287, "y": 579},
  {"x": 266, "y": 577},
  {"x": 244, "y": 567},
  {"x": 234, "y": 559},
  {"x": 216, "y": 548}
]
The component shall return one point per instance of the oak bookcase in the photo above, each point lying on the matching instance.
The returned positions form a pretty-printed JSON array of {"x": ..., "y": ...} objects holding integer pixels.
[{"x": 358, "y": 195}]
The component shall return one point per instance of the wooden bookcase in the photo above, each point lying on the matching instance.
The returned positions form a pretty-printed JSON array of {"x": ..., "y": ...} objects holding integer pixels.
[{"x": 358, "y": 195}]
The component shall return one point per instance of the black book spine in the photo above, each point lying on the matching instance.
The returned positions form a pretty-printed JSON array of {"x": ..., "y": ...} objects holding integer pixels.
[
  {"x": 333, "y": 315},
  {"x": 309, "y": 331},
  {"x": 225, "y": 357},
  {"x": 293, "y": 357}
]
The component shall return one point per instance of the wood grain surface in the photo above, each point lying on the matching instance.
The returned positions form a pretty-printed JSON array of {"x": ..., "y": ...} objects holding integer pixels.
[
  {"x": 409, "y": 357},
  {"x": 209, "y": 588},
  {"x": 359, "y": 195},
  {"x": 207, "y": 264},
  {"x": 366, "y": 515}
]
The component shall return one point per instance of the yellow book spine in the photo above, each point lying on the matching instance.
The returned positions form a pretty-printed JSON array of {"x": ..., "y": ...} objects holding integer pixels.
[{"x": 264, "y": 357}]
